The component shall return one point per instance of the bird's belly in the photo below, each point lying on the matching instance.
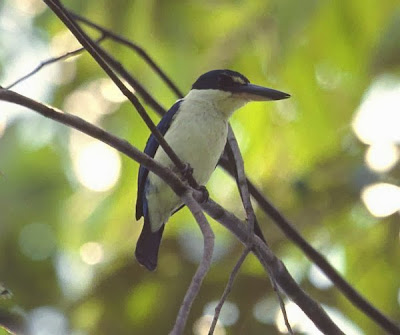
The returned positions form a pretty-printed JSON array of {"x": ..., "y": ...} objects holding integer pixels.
[{"x": 197, "y": 142}]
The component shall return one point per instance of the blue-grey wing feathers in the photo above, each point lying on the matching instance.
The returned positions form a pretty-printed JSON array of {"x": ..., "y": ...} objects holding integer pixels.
[
  {"x": 150, "y": 149},
  {"x": 149, "y": 242}
]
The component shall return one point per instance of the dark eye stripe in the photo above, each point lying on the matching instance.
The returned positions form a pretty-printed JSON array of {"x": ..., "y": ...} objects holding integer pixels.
[
  {"x": 228, "y": 81},
  {"x": 220, "y": 79}
]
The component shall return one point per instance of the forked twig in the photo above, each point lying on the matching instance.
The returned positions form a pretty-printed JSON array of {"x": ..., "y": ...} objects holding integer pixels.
[
  {"x": 51, "y": 61},
  {"x": 228, "y": 289},
  {"x": 203, "y": 267}
]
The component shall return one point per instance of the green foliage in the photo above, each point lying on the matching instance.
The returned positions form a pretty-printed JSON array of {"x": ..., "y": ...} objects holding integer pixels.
[{"x": 301, "y": 152}]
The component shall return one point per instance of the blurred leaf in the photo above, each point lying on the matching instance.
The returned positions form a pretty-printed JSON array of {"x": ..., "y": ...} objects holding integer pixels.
[{"x": 387, "y": 53}]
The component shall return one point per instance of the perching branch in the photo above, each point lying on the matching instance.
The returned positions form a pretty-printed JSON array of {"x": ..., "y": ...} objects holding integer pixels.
[
  {"x": 251, "y": 217},
  {"x": 241, "y": 179},
  {"x": 204, "y": 265},
  {"x": 282, "y": 305},
  {"x": 228, "y": 289},
  {"x": 260, "y": 249}
]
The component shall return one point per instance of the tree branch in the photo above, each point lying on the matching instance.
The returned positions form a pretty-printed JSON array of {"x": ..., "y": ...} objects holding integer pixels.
[
  {"x": 138, "y": 49},
  {"x": 251, "y": 217},
  {"x": 228, "y": 289},
  {"x": 51, "y": 61},
  {"x": 241, "y": 179},
  {"x": 204, "y": 265},
  {"x": 13, "y": 322}
]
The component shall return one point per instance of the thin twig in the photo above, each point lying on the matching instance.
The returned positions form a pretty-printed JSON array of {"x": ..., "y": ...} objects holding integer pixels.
[
  {"x": 228, "y": 289},
  {"x": 204, "y": 265},
  {"x": 51, "y": 61},
  {"x": 133, "y": 82},
  {"x": 142, "y": 53},
  {"x": 97, "y": 53},
  {"x": 14, "y": 321},
  {"x": 241, "y": 179},
  {"x": 245, "y": 195},
  {"x": 281, "y": 304}
]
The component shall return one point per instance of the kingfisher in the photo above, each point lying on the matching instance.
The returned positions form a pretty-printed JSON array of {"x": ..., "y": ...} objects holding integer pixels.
[{"x": 196, "y": 128}]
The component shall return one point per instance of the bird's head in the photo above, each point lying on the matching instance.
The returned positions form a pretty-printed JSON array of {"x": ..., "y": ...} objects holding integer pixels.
[{"x": 229, "y": 90}]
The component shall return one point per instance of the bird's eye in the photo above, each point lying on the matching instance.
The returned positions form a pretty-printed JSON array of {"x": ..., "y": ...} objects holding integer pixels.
[{"x": 225, "y": 81}]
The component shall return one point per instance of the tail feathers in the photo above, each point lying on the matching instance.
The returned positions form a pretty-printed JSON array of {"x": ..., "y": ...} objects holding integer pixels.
[{"x": 148, "y": 245}]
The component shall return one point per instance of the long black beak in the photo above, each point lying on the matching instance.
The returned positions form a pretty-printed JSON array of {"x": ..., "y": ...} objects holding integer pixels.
[{"x": 259, "y": 93}]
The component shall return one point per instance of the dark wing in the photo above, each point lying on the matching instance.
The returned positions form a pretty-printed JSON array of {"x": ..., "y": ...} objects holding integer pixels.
[{"x": 150, "y": 149}]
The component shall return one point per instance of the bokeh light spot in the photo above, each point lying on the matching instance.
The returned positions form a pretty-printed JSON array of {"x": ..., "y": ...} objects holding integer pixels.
[
  {"x": 337, "y": 258},
  {"x": 37, "y": 241},
  {"x": 398, "y": 297},
  {"x": 47, "y": 321},
  {"x": 265, "y": 310},
  {"x": 29, "y": 7},
  {"x": 202, "y": 326},
  {"x": 97, "y": 166},
  {"x": 62, "y": 43},
  {"x": 92, "y": 253},
  {"x": 302, "y": 324},
  {"x": 378, "y": 118},
  {"x": 75, "y": 276},
  {"x": 83, "y": 97},
  {"x": 382, "y": 156},
  {"x": 3, "y": 125},
  {"x": 229, "y": 312},
  {"x": 381, "y": 199},
  {"x": 110, "y": 91}
]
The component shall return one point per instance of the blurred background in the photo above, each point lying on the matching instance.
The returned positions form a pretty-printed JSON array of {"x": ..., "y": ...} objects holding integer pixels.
[{"x": 327, "y": 158}]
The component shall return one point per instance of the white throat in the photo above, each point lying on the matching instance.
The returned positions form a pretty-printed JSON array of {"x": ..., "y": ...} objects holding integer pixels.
[{"x": 222, "y": 101}]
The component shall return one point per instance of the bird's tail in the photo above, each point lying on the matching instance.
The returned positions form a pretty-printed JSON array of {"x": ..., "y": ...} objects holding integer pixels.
[
  {"x": 149, "y": 242},
  {"x": 147, "y": 246}
]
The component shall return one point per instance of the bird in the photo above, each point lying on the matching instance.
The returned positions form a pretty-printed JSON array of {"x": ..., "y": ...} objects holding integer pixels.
[{"x": 196, "y": 128}]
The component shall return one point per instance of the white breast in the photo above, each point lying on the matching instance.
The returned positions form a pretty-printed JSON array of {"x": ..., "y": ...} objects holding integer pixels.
[{"x": 198, "y": 136}]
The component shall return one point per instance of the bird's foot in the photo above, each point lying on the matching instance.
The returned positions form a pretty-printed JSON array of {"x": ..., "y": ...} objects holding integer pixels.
[
  {"x": 187, "y": 171},
  {"x": 204, "y": 194}
]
